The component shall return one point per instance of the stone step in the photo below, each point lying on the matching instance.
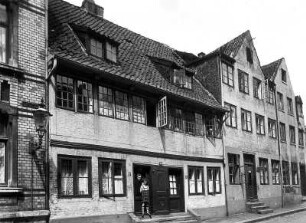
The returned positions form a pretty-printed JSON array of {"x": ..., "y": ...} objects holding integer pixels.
[
  {"x": 265, "y": 211},
  {"x": 253, "y": 204},
  {"x": 257, "y": 208},
  {"x": 166, "y": 218},
  {"x": 187, "y": 221}
]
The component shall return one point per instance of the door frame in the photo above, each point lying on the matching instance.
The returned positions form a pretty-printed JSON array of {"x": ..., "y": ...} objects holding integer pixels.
[
  {"x": 253, "y": 168},
  {"x": 182, "y": 183}
]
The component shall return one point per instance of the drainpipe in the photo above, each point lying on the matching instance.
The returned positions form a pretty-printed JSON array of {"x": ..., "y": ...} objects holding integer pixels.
[{"x": 278, "y": 144}]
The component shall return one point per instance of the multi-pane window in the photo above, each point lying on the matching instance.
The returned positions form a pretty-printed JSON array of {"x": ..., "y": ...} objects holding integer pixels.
[
  {"x": 3, "y": 33},
  {"x": 299, "y": 108},
  {"x": 214, "y": 180},
  {"x": 231, "y": 117},
  {"x": 275, "y": 172},
  {"x": 5, "y": 91},
  {"x": 190, "y": 122},
  {"x": 234, "y": 168},
  {"x": 161, "y": 112},
  {"x": 213, "y": 129},
  {"x": 249, "y": 55},
  {"x": 272, "y": 128},
  {"x": 301, "y": 137},
  {"x": 64, "y": 92},
  {"x": 138, "y": 110},
  {"x": 195, "y": 180},
  {"x": 111, "y": 52},
  {"x": 290, "y": 106},
  {"x": 263, "y": 172},
  {"x": 181, "y": 79},
  {"x": 122, "y": 105},
  {"x": 96, "y": 48},
  {"x": 270, "y": 94},
  {"x": 295, "y": 176},
  {"x": 199, "y": 124},
  {"x": 246, "y": 120},
  {"x": 74, "y": 176},
  {"x": 243, "y": 79},
  {"x": 173, "y": 184},
  {"x": 260, "y": 124},
  {"x": 286, "y": 173},
  {"x": 106, "y": 101},
  {"x": 84, "y": 96},
  {"x": 292, "y": 134},
  {"x": 2, "y": 162},
  {"x": 257, "y": 88},
  {"x": 176, "y": 119},
  {"x": 3, "y": 148},
  {"x": 282, "y": 132},
  {"x": 284, "y": 76},
  {"x": 280, "y": 101},
  {"x": 227, "y": 74},
  {"x": 112, "y": 177}
]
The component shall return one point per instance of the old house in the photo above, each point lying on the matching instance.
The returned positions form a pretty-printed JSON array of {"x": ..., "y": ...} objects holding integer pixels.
[
  {"x": 125, "y": 108},
  {"x": 23, "y": 185}
]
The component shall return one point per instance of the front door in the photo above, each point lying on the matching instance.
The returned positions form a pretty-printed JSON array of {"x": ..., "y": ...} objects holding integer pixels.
[
  {"x": 303, "y": 179},
  {"x": 176, "y": 189},
  {"x": 160, "y": 186},
  {"x": 250, "y": 177}
]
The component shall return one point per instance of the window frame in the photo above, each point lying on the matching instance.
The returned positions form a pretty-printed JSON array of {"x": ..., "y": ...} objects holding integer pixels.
[
  {"x": 249, "y": 55},
  {"x": 214, "y": 169},
  {"x": 270, "y": 95},
  {"x": 290, "y": 106},
  {"x": 5, "y": 90},
  {"x": 5, "y": 141},
  {"x": 244, "y": 111},
  {"x": 109, "y": 49},
  {"x": 230, "y": 115},
  {"x": 275, "y": 172},
  {"x": 74, "y": 159},
  {"x": 272, "y": 121},
  {"x": 226, "y": 74},
  {"x": 291, "y": 138},
  {"x": 301, "y": 139},
  {"x": 73, "y": 108},
  {"x": 280, "y": 102},
  {"x": 294, "y": 173},
  {"x": 243, "y": 80},
  {"x": 6, "y": 27},
  {"x": 89, "y": 96},
  {"x": 100, "y": 176},
  {"x": 259, "y": 127},
  {"x": 96, "y": 41},
  {"x": 286, "y": 172},
  {"x": 102, "y": 94},
  {"x": 282, "y": 132},
  {"x": 264, "y": 171},
  {"x": 212, "y": 121},
  {"x": 181, "y": 79},
  {"x": 257, "y": 88},
  {"x": 234, "y": 164},
  {"x": 201, "y": 169},
  {"x": 284, "y": 74}
]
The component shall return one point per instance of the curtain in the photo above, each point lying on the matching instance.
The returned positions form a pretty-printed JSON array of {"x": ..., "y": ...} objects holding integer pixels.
[
  {"x": 83, "y": 177},
  {"x": 66, "y": 177}
]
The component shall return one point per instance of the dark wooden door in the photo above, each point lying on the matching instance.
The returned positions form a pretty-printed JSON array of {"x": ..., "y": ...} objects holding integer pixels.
[
  {"x": 250, "y": 177},
  {"x": 303, "y": 179},
  {"x": 160, "y": 190}
]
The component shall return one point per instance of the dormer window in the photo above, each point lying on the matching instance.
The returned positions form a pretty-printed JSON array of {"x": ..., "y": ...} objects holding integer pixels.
[
  {"x": 96, "y": 48},
  {"x": 103, "y": 49},
  {"x": 111, "y": 52},
  {"x": 181, "y": 79}
]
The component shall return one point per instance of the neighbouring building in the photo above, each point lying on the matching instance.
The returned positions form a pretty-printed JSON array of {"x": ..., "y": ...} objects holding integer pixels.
[
  {"x": 22, "y": 86},
  {"x": 125, "y": 108},
  {"x": 233, "y": 74}
]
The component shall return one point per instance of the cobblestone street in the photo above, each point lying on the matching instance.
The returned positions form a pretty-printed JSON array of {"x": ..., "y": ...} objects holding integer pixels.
[{"x": 293, "y": 218}]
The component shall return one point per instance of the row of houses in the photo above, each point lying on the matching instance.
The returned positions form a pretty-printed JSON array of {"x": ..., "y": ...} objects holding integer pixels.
[{"x": 210, "y": 132}]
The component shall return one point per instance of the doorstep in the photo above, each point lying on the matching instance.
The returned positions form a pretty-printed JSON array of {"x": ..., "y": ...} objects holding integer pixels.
[{"x": 25, "y": 214}]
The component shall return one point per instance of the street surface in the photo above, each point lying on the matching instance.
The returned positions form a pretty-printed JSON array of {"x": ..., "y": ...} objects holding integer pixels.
[{"x": 293, "y": 218}]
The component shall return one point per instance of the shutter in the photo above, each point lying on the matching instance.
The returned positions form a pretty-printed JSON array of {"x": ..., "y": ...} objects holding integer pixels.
[{"x": 162, "y": 113}]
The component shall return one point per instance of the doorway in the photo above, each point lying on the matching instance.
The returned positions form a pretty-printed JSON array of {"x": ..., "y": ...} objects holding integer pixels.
[
  {"x": 250, "y": 177},
  {"x": 303, "y": 179}
]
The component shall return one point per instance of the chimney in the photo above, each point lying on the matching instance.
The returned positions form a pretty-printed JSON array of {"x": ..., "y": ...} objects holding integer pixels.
[
  {"x": 91, "y": 7},
  {"x": 201, "y": 55}
]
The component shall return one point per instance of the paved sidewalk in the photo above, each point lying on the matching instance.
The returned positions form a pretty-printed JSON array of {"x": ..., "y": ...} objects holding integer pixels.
[{"x": 252, "y": 217}]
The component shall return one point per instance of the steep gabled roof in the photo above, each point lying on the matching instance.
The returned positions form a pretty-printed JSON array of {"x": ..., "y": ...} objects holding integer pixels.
[
  {"x": 270, "y": 70},
  {"x": 134, "y": 51}
]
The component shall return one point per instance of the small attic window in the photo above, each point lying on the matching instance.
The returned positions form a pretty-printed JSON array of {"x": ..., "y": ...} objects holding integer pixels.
[
  {"x": 96, "y": 48},
  {"x": 111, "y": 52},
  {"x": 181, "y": 79},
  {"x": 284, "y": 76},
  {"x": 249, "y": 55}
]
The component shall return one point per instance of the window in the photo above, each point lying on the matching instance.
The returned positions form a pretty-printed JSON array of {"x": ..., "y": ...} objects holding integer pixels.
[
  {"x": 227, "y": 74},
  {"x": 272, "y": 128},
  {"x": 299, "y": 108},
  {"x": 275, "y": 171},
  {"x": 246, "y": 120},
  {"x": 176, "y": 119},
  {"x": 74, "y": 176},
  {"x": 2, "y": 162},
  {"x": 106, "y": 101},
  {"x": 195, "y": 180},
  {"x": 111, "y": 52},
  {"x": 64, "y": 92},
  {"x": 122, "y": 105},
  {"x": 249, "y": 55},
  {"x": 243, "y": 82},
  {"x": 282, "y": 132},
  {"x": 270, "y": 94},
  {"x": 290, "y": 106},
  {"x": 173, "y": 184},
  {"x": 257, "y": 88},
  {"x": 199, "y": 124},
  {"x": 138, "y": 110},
  {"x": 231, "y": 117},
  {"x": 286, "y": 175},
  {"x": 260, "y": 124},
  {"x": 214, "y": 180},
  {"x": 181, "y": 79},
  {"x": 96, "y": 48},
  {"x": 295, "y": 176},
  {"x": 301, "y": 137},
  {"x": 5, "y": 91},
  {"x": 280, "y": 101},
  {"x": 292, "y": 134},
  {"x": 284, "y": 76},
  {"x": 234, "y": 168},
  {"x": 3, "y": 33},
  {"x": 162, "y": 118},
  {"x": 112, "y": 178},
  {"x": 263, "y": 172},
  {"x": 84, "y": 94},
  {"x": 190, "y": 122},
  {"x": 213, "y": 129}
]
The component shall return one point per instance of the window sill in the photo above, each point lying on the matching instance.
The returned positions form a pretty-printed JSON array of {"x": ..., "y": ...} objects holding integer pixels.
[
  {"x": 10, "y": 190},
  {"x": 261, "y": 134},
  {"x": 233, "y": 127},
  {"x": 246, "y": 93},
  {"x": 247, "y": 131}
]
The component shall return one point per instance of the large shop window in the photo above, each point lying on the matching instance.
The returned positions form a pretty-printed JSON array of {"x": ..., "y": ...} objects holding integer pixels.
[
  {"x": 286, "y": 173},
  {"x": 195, "y": 180},
  {"x": 231, "y": 116},
  {"x": 227, "y": 74},
  {"x": 264, "y": 171},
  {"x": 112, "y": 178},
  {"x": 234, "y": 168},
  {"x": 275, "y": 171},
  {"x": 74, "y": 176},
  {"x": 214, "y": 180},
  {"x": 295, "y": 176},
  {"x": 3, "y": 33},
  {"x": 246, "y": 120}
]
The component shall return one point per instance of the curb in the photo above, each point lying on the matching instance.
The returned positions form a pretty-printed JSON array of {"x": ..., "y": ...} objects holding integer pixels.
[{"x": 273, "y": 215}]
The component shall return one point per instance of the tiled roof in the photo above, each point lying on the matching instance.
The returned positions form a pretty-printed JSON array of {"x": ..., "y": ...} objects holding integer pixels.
[
  {"x": 269, "y": 70},
  {"x": 135, "y": 51}
]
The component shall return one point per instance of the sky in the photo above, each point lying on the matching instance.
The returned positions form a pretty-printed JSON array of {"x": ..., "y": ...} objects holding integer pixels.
[{"x": 277, "y": 26}]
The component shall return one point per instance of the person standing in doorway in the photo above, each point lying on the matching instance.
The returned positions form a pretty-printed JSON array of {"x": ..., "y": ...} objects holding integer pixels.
[{"x": 145, "y": 195}]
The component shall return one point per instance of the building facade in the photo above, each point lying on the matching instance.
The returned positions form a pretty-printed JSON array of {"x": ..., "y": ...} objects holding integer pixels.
[
  {"x": 126, "y": 108},
  {"x": 22, "y": 73}
]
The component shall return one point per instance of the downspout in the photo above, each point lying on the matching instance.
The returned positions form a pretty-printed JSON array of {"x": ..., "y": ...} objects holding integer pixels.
[{"x": 278, "y": 144}]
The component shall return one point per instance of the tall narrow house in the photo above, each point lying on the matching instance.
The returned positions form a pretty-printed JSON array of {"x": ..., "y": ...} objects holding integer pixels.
[
  {"x": 22, "y": 74},
  {"x": 126, "y": 108}
]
